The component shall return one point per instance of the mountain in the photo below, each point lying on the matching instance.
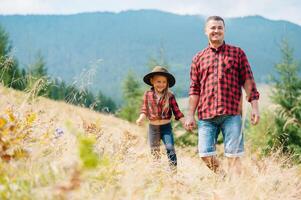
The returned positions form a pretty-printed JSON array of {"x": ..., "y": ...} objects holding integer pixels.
[{"x": 114, "y": 43}]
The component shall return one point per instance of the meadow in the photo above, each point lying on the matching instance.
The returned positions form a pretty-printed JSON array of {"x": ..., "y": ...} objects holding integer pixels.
[{"x": 52, "y": 150}]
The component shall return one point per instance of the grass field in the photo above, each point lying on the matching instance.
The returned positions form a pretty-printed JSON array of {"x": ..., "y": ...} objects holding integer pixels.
[{"x": 59, "y": 164}]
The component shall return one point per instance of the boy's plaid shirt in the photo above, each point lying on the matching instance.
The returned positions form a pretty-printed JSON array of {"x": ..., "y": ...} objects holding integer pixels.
[
  {"x": 217, "y": 77},
  {"x": 156, "y": 111}
]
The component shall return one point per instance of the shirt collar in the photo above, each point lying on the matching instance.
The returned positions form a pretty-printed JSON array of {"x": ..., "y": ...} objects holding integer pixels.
[{"x": 220, "y": 48}]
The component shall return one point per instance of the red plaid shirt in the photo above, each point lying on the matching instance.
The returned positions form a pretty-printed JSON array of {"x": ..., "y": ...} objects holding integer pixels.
[
  {"x": 156, "y": 111},
  {"x": 217, "y": 77}
]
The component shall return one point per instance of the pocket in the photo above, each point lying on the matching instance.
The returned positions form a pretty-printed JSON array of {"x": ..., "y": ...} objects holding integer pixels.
[{"x": 230, "y": 66}]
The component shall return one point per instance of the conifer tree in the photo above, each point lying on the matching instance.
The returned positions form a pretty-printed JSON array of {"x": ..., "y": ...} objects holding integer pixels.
[
  {"x": 10, "y": 75},
  {"x": 132, "y": 94},
  {"x": 37, "y": 79},
  {"x": 287, "y": 97}
]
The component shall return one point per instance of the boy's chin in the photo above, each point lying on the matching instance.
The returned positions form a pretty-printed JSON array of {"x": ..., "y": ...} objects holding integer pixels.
[{"x": 159, "y": 91}]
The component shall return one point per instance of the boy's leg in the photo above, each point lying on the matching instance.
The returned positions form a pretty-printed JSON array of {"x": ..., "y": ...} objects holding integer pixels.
[
  {"x": 154, "y": 140},
  {"x": 168, "y": 140}
]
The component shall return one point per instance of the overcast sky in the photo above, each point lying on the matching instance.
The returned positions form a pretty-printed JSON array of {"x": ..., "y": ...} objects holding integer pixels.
[{"x": 289, "y": 10}]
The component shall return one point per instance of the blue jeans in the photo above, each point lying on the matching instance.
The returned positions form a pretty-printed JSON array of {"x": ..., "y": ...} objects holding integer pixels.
[
  {"x": 208, "y": 131},
  {"x": 162, "y": 132}
]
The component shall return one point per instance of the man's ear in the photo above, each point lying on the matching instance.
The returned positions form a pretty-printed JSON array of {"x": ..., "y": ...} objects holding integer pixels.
[{"x": 205, "y": 31}]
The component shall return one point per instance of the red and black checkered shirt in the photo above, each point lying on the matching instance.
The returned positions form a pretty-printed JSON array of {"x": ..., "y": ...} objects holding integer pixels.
[
  {"x": 156, "y": 111},
  {"x": 217, "y": 76}
]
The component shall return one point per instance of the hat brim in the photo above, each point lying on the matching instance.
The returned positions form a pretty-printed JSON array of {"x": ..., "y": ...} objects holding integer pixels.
[{"x": 170, "y": 78}]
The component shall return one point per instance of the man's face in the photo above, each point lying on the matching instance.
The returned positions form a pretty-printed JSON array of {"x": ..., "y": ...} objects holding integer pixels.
[{"x": 215, "y": 31}]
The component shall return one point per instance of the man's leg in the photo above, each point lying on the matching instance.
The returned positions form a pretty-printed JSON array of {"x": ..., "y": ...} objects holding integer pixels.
[
  {"x": 207, "y": 137},
  {"x": 233, "y": 142},
  {"x": 234, "y": 166},
  {"x": 212, "y": 163}
]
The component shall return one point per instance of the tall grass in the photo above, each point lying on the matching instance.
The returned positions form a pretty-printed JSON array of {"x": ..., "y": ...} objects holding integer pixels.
[{"x": 124, "y": 168}]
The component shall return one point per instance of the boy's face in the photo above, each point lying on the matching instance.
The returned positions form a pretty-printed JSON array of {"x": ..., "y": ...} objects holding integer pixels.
[{"x": 159, "y": 82}]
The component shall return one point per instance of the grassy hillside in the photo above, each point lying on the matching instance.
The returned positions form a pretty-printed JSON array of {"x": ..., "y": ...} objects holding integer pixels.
[{"x": 55, "y": 167}]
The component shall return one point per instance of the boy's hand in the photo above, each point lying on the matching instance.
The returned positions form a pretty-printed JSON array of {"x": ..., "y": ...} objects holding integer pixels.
[{"x": 139, "y": 122}]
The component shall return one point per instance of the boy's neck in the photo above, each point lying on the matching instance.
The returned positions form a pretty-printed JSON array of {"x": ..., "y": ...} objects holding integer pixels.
[{"x": 159, "y": 94}]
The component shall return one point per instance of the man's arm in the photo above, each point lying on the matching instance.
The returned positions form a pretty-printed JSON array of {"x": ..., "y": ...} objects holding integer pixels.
[
  {"x": 194, "y": 93},
  {"x": 246, "y": 77},
  {"x": 190, "y": 122}
]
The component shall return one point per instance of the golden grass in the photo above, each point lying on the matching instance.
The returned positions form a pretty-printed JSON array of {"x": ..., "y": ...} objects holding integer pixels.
[{"x": 125, "y": 171}]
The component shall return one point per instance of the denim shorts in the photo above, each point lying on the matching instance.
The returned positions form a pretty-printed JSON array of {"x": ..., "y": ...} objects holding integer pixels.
[{"x": 231, "y": 127}]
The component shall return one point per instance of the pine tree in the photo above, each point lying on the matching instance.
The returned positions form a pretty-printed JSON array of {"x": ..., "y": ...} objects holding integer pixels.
[
  {"x": 287, "y": 96},
  {"x": 132, "y": 94},
  {"x": 37, "y": 79},
  {"x": 10, "y": 75},
  {"x": 104, "y": 103}
]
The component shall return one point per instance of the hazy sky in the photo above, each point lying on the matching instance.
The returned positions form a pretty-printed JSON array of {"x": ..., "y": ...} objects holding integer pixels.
[{"x": 273, "y": 9}]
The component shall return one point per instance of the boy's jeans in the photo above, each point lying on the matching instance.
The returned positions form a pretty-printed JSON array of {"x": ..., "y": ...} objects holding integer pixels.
[{"x": 164, "y": 133}]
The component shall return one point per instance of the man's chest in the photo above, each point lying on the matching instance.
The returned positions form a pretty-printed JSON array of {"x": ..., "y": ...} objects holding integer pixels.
[{"x": 219, "y": 65}]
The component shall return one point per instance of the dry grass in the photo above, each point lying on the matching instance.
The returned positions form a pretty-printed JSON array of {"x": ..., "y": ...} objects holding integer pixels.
[{"x": 125, "y": 171}]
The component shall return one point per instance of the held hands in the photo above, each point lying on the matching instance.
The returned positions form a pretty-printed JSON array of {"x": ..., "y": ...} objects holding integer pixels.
[{"x": 190, "y": 123}]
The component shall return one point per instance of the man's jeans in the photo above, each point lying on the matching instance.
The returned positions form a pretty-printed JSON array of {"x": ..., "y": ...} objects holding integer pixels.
[{"x": 208, "y": 131}]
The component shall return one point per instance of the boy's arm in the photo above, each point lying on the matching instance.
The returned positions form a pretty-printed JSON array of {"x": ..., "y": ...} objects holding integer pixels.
[{"x": 175, "y": 108}]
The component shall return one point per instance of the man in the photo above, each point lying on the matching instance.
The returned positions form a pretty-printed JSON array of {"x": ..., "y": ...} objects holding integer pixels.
[{"x": 217, "y": 75}]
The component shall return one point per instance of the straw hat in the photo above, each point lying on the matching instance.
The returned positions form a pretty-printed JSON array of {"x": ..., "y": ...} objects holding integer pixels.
[{"x": 158, "y": 70}]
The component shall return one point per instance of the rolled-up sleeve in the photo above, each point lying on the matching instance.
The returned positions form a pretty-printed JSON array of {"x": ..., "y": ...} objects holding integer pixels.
[{"x": 246, "y": 78}]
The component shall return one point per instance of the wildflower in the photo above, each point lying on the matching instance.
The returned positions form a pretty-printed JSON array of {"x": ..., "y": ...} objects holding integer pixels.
[
  {"x": 30, "y": 118},
  {"x": 58, "y": 132},
  {"x": 3, "y": 122},
  {"x": 10, "y": 114}
]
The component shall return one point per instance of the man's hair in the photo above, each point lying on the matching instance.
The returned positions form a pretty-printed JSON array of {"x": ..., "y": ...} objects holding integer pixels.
[{"x": 215, "y": 18}]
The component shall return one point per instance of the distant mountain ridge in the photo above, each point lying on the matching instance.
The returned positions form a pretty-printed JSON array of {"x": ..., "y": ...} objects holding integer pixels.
[{"x": 125, "y": 41}]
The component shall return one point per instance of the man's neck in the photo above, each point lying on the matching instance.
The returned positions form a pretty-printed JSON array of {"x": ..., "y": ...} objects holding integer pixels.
[{"x": 216, "y": 45}]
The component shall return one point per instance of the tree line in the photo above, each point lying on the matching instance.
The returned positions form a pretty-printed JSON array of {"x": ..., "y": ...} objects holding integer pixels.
[{"x": 35, "y": 80}]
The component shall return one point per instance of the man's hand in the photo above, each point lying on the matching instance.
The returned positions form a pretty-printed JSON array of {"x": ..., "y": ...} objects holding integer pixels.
[
  {"x": 190, "y": 123},
  {"x": 255, "y": 113}
]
